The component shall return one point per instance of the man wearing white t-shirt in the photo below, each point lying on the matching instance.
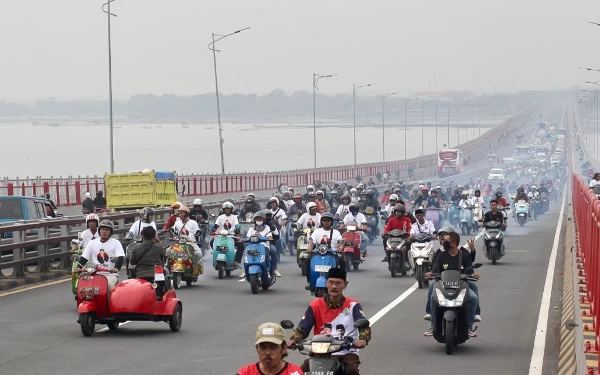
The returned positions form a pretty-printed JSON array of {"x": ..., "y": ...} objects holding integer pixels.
[
  {"x": 422, "y": 225},
  {"x": 187, "y": 228},
  {"x": 323, "y": 235},
  {"x": 311, "y": 215},
  {"x": 361, "y": 220},
  {"x": 146, "y": 220},
  {"x": 105, "y": 252},
  {"x": 595, "y": 181}
]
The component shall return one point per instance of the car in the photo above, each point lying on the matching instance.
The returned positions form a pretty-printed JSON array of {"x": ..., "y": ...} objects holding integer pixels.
[{"x": 496, "y": 174}]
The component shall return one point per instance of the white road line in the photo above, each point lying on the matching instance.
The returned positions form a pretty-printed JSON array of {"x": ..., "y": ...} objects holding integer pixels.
[
  {"x": 106, "y": 328},
  {"x": 25, "y": 289},
  {"x": 539, "y": 344},
  {"x": 381, "y": 313}
]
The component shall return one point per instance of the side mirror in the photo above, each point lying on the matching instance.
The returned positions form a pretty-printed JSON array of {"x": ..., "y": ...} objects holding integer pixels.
[
  {"x": 287, "y": 324},
  {"x": 198, "y": 233},
  {"x": 477, "y": 265},
  {"x": 362, "y": 324},
  {"x": 213, "y": 215}
]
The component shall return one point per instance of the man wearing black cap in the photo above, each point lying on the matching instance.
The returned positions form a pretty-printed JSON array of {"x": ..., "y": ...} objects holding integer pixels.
[{"x": 336, "y": 310}]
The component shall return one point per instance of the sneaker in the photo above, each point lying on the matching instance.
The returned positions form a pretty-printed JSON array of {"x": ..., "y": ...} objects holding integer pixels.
[
  {"x": 307, "y": 287},
  {"x": 478, "y": 318},
  {"x": 385, "y": 259},
  {"x": 276, "y": 272},
  {"x": 428, "y": 333},
  {"x": 237, "y": 266},
  {"x": 242, "y": 276},
  {"x": 472, "y": 333},
  {"x": 427, "y": 317}
]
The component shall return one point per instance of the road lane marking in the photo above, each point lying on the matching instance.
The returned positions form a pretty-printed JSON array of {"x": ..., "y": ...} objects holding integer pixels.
[
  {"x": 106, "y": 328},
  {"x": 25, "y": 289},
  {"x": 539, "y": 343},
  {"x": 381, "y": 313}
]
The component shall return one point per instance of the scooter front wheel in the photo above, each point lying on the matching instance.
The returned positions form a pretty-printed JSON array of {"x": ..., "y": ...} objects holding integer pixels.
[
  {"x": 254, "y": 283},
  {"x": 449, "y": 336},
  {"x": 88, "y": 324}
]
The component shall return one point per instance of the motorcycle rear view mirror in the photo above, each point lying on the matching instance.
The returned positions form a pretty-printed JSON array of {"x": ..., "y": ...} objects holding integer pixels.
[
  {"x": 362, "y": 324},
  {"x": 287, "y": 324},
  {"x": 213, "y": 215},
  {"x": 477, "y": 265}
]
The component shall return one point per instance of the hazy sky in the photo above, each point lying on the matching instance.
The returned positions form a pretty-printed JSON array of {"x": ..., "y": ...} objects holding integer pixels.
[{"x": 59, "y": 48}]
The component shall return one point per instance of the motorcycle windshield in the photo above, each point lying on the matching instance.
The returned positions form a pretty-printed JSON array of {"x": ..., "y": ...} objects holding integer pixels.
[
  {"x": 493, "y": 224},
  {"x": 450, "y": 279},
  {"x": 422, "y": 237}
]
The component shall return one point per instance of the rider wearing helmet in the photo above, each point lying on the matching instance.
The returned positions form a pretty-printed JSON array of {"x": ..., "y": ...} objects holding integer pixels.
[
  {"x": 343, "y": 208},
  {"x": 311, "y": 216},
  {"x": 322, "y": 203},
  {"x": 100, "y": 201},
  {"x": 423, "y": 197},
  {"x": 297, "y": 208},
  {"x": 385, "y": 198},
  {"x": 250, "y": 205},
  {"x": 87, "y": 205},
  {"x": 262, "y": 229},
  {"x": 323, "y": 235},
  {"x": 354, "y": 197},
  {"x": 187, "y": 227},
  {"x": 309, "y": 189},
  {"x": 370, "y": 200},
  {"x": 465, "y": 200},
  {"x": 146, "y": 219},
  {"x": 197, "y": 212},
  {"x": 361, "y": 220},
  {"x": 502, "y": 202},
  {"x": 287, "y": 200},
  {"x": 398, "y": 221},
  {"x": 173, "y": 218},
  {"x": 91, "y": 233},
  {"x": 390, "y": 207},
  {"x": 227, "y": 220},
  {"x": 105, "y": 252},
  {"x": 533, "y": 193}
]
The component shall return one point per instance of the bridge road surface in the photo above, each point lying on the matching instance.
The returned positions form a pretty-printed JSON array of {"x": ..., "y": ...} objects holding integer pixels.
[{"x": 40, "y": 334}]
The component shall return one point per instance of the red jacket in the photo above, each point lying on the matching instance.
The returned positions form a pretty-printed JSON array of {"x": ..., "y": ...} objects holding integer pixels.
[
  {"x": 395, "y": 223},
  {"x": 170, "y": 222}
]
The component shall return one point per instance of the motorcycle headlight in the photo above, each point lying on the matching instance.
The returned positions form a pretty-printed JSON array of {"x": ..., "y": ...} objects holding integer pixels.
[
  {"x": 320, "y": 347},
  {"x": 457, "y": 302}
]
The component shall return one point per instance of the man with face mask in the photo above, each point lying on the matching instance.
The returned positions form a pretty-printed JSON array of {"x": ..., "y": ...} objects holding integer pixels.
[
  {"x": 449, "y": 260},
  {"x": 262, "y": 229}
]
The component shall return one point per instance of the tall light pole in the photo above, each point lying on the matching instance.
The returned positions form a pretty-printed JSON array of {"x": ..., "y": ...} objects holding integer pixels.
[
  {"x": 448, "y": 141},
  {"x": 211, "y": 46},
  {"x": 406, "y": 100},
  {"x": 110, "y": 96},
  {"x": 355, "y": 89},
  {"x": 316, "y": 78},
  {"x": 423, "y": 127},
  {"x": 383, "y": 96}
]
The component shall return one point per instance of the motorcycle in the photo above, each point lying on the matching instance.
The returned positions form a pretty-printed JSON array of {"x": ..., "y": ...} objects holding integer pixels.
[
  {"x": 302, "y": 245},
  {"x": 181, "y": 262},
  {"x": 321, "y": 348},
  {"x": 323, "y": 259},
  {"x": 493, "y": 241},
  {"x": 466, "y": 218},
  {"x": 454, "y": 213},
  {"x": 451, "y": 308},
  {"x": 130, "y": 300},
  {"x": 522, "y": 212},
  {"x": 545, "y": 202},
  {"x": 224, "y": 253},
  {"x": 256, "y": 264},
  {"x": 292, "y": 240},
  {"x": 371, "y": 217},
  {"x": 351, "y": 246},
  {"x": 433, "y": 214},
  {"x": 76, "y": 266},
  {"x": 477, "y": 216},
  {"x": 420, "y": 257},
  {"x": 536, "y": 207},
  {"x": 396, "y": 252}
]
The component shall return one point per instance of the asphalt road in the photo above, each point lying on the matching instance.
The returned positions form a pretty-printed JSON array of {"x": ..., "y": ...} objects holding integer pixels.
[{"x": 40, "y": 334}]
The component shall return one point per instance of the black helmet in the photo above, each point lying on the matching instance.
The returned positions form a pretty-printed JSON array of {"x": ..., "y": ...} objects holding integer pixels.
[
  {"x": 370, "y": 193},
  {"x": 346, "y": 196},
  {"x": 145, "y": 214},
  {"x": 327, "y": 215},
  {"x": 400, "y": 207},
  {"x": 498, "y": 193},
  {"x": 98, "y": 193}
]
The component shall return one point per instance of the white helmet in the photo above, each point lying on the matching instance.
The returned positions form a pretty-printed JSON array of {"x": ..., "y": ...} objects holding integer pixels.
[
  {"x": 311, "y": 205},
  {"x": 274, "y": 199},
  {"x": 310, "y": 188},
  {"x": 197, "y": 202},
  {"x": 88, "y": 195},
  {"x": 533, "y": 187},
  {"x": 227, "y": 205},
  {"x": 394, "y": 197},
  {"x": 91, "y": 217}
]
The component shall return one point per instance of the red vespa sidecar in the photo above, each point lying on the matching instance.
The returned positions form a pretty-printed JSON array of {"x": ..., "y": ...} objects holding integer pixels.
[{"x": 130, "y": 300}]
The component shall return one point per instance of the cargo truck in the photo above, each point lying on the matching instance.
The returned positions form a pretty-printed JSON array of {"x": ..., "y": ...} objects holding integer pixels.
[{"x": 130, "y": 191}]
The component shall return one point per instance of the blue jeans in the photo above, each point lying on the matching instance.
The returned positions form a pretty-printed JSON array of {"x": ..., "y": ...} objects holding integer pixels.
[
  {"x": 273, "y": 251},
  {"x": 473, "y": 302},
  {"x": 364, "y": 241}
]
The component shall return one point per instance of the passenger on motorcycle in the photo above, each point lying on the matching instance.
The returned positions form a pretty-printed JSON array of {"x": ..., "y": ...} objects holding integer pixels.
[
  {"x": 321, "y": 202},
  {"x": 502, "y": 202},
  {"x": 390, "y": 207},
  {"x": 187, "y": 228},
  {"x": 449, "y": 260},
  {"x": 99, "y": 201},
  {"x": 146, "y": 220},
  {"x": 344, "y": 208},
  {"x": 173, "y": 218},
  {"x": 533, "y": 193},
  {"x": 433, "y": 200},
  {"x": 311, "y": 215},
  {"x": 398, "y": 221},
  {"x": 262, "y": 229},
  {"x": 323, "y": 235},
  {"x": 370, "y": 200},
  {"x": 361, "y": 220},
  {"x": 287, "y": 200},
  {"x": 334, "y": 306},
  {"x": 271, "y": 348},
  {"x": 147, "y": 254},
  {"x": 422, "y": 225},
  {"x": 354, "y": 197},
  {"x": 197, "y": 212},
  {"x": 106, "y": 252},
  {"x": 87, "y": 205},
  {"x": 91, "y": 233},
  {"x": 335, "y": 202},
  {"x": 250, "y": 206},
  {"x": 298, "y": 208},
  {"x": 309, "y": 189}
]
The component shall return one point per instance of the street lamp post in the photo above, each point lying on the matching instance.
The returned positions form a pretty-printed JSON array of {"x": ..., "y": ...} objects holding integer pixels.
[
  {"x": 448, "y": 142},
  {"x": 316, "y": 78},
  {"x": 383, "y": 96},
  {"x": 211, "y": 46},
  {"x": 110, "y": 96},
  {"x": 355, "y": 89},
  {"x": 406, "y": 100},
  {"x": 423, "y": 127}
]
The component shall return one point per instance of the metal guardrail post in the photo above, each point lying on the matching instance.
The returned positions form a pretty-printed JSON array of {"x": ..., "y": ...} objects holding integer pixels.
[
  {"x": 42, "y": 250},
  {"x": 18, "y": 254},
  {"x": 65, "y": 261}
]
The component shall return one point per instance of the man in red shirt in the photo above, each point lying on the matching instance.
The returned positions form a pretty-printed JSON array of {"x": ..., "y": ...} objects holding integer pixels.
[
  {"x": 272, "y": 349},
  {"x": 398, "y": 221}
]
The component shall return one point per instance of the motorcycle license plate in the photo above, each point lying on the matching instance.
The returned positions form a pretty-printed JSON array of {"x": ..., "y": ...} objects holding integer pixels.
[
  {"x": 304, "y": 246},
  {"x": 221, "y": 257},
  {"x": 322, "y": 268}
]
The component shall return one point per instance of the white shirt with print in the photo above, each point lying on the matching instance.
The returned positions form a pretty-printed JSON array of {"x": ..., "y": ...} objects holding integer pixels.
[
  {"x": 321, "y": 233},
  {"x": 222, "y": 219},
  {"x": 266, "y": 232},
  {"x": 359, "y": 218},
  {"x": 306, "y": 217},
  {"x": 426, "y": 227},
  {"x": 191, "y": 226},
  {"x": 87, "y": 236},
  {"x": 279, "y": 215},
  {"x": 103, "y": 254}
]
